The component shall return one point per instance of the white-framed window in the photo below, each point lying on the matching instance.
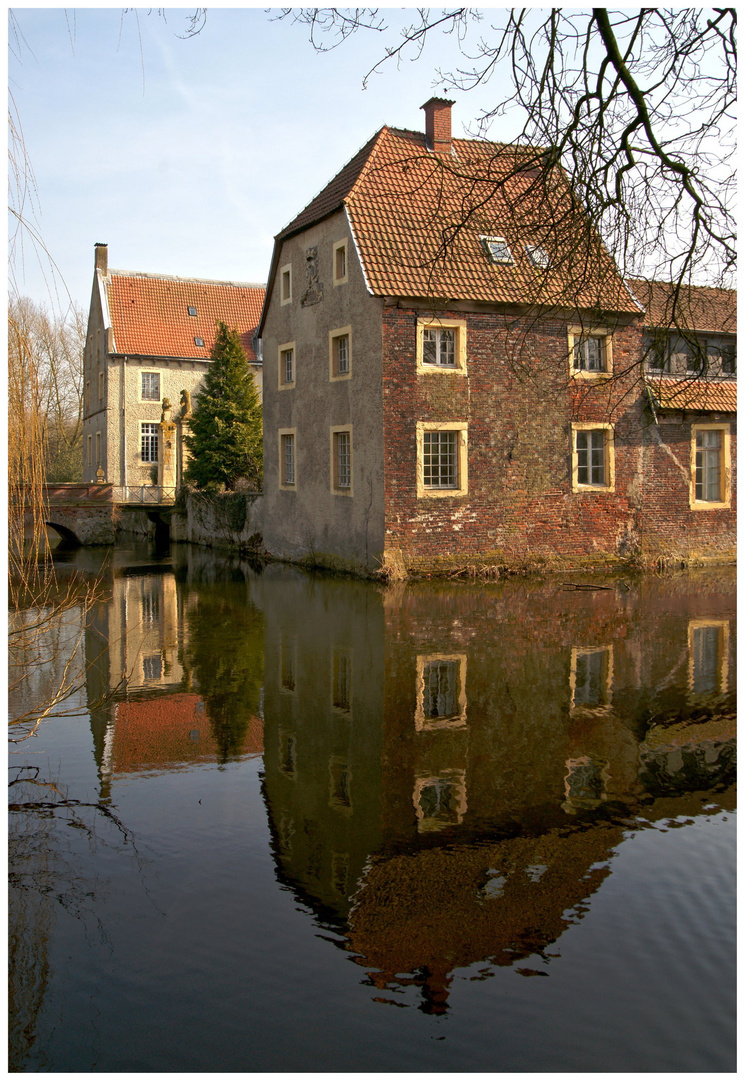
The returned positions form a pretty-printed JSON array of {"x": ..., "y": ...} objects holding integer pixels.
[
  {"x": 441, "y": 458},
  {"x": 150, "y": 386},
  {"x": 340, "y": 263},
  {"x": 496, "y": 249},
  {"x": 339, "y": 351},
  {"x": 590, "y": 351},
  {"x": 708, "y": 651},
  {"x": 287, "y": 365},
  {"x": 441, "y": 345},
  {"x": 591, "y": 677},
  {"x": 440, "y": 691},
  {"x": 593, "y": 457},
  {"x": 149, "y": 442},
  {"x": 285, "y": 284},
  {"x": 287, "y": 458},
  {"x": 341, "y": 449},
  {"x": 710, "y": 486}
]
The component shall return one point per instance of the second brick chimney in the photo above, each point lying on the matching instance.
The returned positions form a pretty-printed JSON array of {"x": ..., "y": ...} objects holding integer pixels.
[{"x": 438, "y": 125}]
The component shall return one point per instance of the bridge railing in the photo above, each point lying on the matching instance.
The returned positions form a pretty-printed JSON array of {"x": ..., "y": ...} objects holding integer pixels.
[{"x": 144, "y": 494}]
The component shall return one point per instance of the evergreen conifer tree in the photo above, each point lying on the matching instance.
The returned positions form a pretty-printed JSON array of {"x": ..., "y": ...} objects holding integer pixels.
[{"x": 226, "y": 440}]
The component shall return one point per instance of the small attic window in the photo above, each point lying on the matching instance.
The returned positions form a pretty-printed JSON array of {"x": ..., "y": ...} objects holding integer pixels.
[
  {"x": 191, "y": 310},
  {"x": 199, "y": 341},
  {"x": 538, "y": 257},
  {"x": 496, "y": 249}
]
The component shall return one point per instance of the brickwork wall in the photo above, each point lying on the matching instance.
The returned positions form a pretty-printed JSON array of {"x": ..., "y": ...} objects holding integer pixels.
[
  {"x": 519, "y": 403},
  {"x": 669, "y": 525}
]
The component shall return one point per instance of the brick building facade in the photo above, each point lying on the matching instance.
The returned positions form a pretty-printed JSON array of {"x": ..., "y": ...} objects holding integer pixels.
[{"x": 451, "y": 376}]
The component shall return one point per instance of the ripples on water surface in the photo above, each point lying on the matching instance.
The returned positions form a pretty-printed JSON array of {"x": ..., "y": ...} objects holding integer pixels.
[{"x": 304, "y": 823}]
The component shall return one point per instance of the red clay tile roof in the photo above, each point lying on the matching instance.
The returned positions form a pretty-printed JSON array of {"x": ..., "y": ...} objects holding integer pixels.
[
  {"x": 417, "y": 218},
  {"x": 694, "y": 395},
  {"x": 168, "y": 732},
  {"x": 150, "y": 318},
  {"x": 698, "y": 307}
]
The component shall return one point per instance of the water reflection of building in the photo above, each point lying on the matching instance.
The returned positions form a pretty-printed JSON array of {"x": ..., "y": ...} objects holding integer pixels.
[
  {"x": 432, "y": 753},
  {"x": 152, "y": 706}
]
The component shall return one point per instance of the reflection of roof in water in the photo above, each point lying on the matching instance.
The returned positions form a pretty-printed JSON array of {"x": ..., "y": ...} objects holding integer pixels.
[
  {"x": 166, "y": 732},
  {"x": 449, "y": 907}
]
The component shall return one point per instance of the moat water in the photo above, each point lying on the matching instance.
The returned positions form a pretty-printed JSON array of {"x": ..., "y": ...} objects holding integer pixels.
[{"x": 294, "y": 822}]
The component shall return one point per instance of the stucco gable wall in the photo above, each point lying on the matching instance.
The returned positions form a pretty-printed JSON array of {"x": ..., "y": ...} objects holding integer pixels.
[{"x": 310, "y": 521}]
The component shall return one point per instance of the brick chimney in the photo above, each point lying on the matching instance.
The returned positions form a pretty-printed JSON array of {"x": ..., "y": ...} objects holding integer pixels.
[
  {"x": 438, "y": 125},
  {"x": 101, "y": 261}
]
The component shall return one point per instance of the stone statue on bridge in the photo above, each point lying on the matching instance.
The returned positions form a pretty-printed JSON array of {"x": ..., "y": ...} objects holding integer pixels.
[{"x": 167, "y": 462}]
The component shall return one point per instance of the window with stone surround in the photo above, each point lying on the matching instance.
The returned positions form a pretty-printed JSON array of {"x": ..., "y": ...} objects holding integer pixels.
[
  {"x": 593, "y": 457},
  {"x": 287, "y": 366},
  {"x": 708, "y": 651},
  {"x": 591, "y": 677},
  {"x": 440, "y": 801},
  {"x": 339, "y": 350},
  {"x": 710, "y": 486},
  {"x": 285, "y": 284},
  {"x": 440, "y": 691},
  {"x": 341, "y": 460},
  {"x": 442, "y": 459},
  {"x": 441, "y": 345},
  {"x": 340, "y": 265},
  {"x": 590, "y": 351},
  {"x": 150, "y": 386},
  {"x": 287, "y": 458},
  {"x": 149, "y": 442}
]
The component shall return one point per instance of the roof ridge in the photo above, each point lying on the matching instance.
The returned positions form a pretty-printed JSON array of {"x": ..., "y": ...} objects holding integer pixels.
[
  {"x": 191, "y": 280},
  {"x": 464, "y": 139},
  {"x": 688, "y": 285}
]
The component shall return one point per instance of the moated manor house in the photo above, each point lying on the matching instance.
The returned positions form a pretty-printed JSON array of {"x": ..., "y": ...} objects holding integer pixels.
[{"x": 439, "y": 383}]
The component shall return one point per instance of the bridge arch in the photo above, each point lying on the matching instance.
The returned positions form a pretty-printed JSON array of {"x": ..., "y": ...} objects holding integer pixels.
[{"x": 67, "y": 535}]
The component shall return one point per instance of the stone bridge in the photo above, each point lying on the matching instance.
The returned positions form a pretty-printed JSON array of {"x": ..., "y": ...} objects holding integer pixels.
[{"x": 95, "y": 513}]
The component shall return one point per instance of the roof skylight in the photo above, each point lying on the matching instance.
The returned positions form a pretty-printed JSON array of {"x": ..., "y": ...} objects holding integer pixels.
[
  {"x": 538, "y": 257},
  {"x": 199, "y": 341},
  {"x": 191, "y": 309},
  {"x": 496, "y": 249}
]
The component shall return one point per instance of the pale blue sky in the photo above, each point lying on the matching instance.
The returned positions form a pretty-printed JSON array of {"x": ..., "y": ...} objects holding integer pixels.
[{"x": 188, "y": 156}]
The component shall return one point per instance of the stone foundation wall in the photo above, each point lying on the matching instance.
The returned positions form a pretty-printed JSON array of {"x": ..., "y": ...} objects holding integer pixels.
[{"x": 231, "y": 520}]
